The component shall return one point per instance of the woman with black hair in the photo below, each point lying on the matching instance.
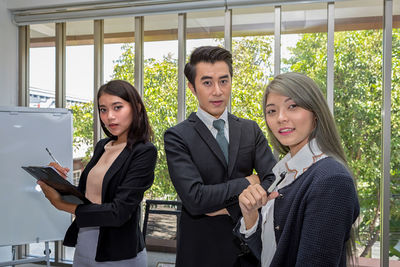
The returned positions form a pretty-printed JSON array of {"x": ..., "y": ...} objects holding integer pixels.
[{"x": 106, "y": 232}]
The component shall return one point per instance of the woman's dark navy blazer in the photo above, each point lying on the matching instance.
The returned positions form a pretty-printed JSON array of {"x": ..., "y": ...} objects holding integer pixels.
[{"x": 124, "y": 184}]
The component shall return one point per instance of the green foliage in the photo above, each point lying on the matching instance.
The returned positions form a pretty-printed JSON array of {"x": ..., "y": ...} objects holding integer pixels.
[
  {"x": 124, "y": 68},
  {"x": 161, "y": 101},
  {"x": 310, "y": 57},
  {"x": 83, "y": 128},
  {"x": 252, "y": 61}
]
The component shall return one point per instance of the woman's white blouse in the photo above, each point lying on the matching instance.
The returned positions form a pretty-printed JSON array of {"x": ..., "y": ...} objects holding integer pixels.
[{"x": 293, "y": 168}]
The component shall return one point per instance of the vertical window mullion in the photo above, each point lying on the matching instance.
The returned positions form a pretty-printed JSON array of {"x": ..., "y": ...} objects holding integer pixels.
[
  {"x": 139, "y": 54},
  {"x": 386, "y": 137},
  {"x": 181, "y": 66},
  {"x": 228, "y": 42},
  {"x": 98, "y": 56},
  {"x": 330, "y": 57},
  {"x": 23, "y": 73},
  {"x": 277, "y": 37},
  {"x": 60, "y": 65}
]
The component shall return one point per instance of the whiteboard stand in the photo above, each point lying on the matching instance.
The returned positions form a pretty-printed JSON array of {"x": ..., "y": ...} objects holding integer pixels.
[
  {"x": 47, "y": 253},
  {"x": 46, "y": 258}
]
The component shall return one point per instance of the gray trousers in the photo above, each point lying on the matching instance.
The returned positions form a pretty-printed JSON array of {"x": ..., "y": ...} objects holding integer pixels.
[{"x": 85, "y": 252}]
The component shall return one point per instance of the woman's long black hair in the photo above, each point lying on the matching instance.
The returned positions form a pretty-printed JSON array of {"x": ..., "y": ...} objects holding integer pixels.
[{"x": 140, "y": 130}]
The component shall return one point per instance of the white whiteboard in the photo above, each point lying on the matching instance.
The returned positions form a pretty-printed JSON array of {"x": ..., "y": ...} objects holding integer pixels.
[{"x": 26, "y": 215}]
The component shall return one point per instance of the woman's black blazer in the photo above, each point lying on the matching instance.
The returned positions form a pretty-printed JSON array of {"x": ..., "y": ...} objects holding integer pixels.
[{"x": 129, "y": 176}]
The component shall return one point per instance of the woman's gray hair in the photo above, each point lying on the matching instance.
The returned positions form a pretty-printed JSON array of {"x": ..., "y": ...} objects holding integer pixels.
[{"x": 306, "y": 94}]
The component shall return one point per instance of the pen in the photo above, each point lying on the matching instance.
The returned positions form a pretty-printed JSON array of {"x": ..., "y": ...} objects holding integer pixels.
[
  {"x": 277, "y": 182},
  {"x": 51, "y": 155}
]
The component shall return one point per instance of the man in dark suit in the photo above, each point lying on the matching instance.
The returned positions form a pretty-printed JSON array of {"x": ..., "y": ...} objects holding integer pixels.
[{"x": 211, "y": 157}]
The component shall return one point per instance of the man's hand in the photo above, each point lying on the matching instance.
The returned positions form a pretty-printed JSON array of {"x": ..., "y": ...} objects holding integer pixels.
[
  {"x": 218, "y": 212},
  {"x": 250, "y": 200},
  {"x": 253, "y": 179}
]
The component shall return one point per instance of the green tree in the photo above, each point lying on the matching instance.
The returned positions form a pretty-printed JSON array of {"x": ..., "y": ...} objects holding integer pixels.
[
  {"x": 83, "y": 128},
  {"x": 252, "y": 67},
  {"x": 160, "y": 99}
]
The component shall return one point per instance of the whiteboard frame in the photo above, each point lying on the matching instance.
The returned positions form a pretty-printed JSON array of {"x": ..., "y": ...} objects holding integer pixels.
[{"x": 33, "y": 218}]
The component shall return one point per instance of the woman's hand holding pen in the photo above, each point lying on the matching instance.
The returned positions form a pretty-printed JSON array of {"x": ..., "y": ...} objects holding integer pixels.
[
  {"x": 61, "y": 170},
  {"x": 56, "y": 164},
  {"x": 250, "y": 200}
]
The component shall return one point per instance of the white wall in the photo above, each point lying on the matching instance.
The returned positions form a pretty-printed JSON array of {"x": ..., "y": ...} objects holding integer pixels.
[
  {"x": 8, "y": 77},
  {"x": 8, "y": 58}
]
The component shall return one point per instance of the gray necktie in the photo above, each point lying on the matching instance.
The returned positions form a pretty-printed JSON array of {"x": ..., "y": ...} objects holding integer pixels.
[{"x": 221, "y": 140}]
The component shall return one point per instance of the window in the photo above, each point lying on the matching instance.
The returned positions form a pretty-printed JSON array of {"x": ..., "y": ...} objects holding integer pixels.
[
  {"x": 161, "y": 91},
  {"x": 119, "y": 48},
  {"x": 357, "y": 107},
  {"x": 304, "y": 40},
  {"x": 203, "y": 28},
  {"x": 252, "y": 51},
  {"x": 42, "y": 65},
  {"x": 394, "y": 250},
  {"x": 79, "y": 84},
  {"x": 75, "y": 177}
]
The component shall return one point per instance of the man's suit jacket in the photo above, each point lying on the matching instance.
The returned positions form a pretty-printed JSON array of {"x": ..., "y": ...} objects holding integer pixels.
[
  {"x": 206, "y": 183},
  {"x": 129, "y": 176}
]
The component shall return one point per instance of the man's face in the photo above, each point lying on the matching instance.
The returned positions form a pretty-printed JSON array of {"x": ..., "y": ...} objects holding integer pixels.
[{"x": 213, "y": 84}]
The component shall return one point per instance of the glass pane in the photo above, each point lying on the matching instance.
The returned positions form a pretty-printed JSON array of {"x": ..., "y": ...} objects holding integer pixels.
[
  {"x": 161, "y": 91},
  {"x": 357, "y": 108},
  {"x": 38, "y": 249},
  {"x": 252, "y": 49},
  {"x": 160, "y": 79},
  {"x": 42, "y": 66},
  {"x": 79, "y": 87},
  {"x": 394, "y": 251},
  {"x": 118, "y": 40},
  {"x": 304, "y": 39},
  {"x": 203, "y": 28},
  {"x": 69, "y": 253}
]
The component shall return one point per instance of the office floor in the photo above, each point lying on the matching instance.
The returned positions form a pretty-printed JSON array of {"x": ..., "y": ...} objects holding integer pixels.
[{"x": 155, "y": 259}]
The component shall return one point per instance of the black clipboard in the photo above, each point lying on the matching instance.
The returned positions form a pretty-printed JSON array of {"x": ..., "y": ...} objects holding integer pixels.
[{"x": 51, "y": 177}]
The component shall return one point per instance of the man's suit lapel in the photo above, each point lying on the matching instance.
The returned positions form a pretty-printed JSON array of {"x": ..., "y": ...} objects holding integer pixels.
[
  {"x": 234, "y": 141},
  {"x": 115, "y": 166},
  {"x": 207, "y": 137}
]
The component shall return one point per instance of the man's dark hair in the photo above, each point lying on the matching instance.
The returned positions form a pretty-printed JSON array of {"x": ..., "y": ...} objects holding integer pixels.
[
  {"x": 208, "y": 54},
  {"x": 140, "y": 129}
]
